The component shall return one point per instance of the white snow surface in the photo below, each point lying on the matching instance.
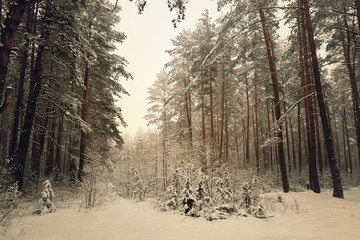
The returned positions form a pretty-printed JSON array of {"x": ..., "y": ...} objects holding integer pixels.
[{"x": 321, "y": 217}]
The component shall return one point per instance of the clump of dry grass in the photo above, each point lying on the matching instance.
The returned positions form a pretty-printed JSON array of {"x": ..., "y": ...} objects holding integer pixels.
[{"x": 275, "y": 204}]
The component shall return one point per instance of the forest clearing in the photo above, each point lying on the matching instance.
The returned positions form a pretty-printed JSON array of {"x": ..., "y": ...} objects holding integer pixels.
[
  {"x": 319, "y": 217},
  {"x": 247, "y": 119}
]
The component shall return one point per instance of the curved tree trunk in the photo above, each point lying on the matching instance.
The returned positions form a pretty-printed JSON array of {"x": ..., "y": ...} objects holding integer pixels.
[
  {"x": 338, "y": 190},
  {"x": 272, "y": 67}
]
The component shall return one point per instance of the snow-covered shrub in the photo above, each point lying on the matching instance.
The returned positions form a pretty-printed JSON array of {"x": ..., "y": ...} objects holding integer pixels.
[
  {"x": 204, "y": 200},
  {"x": 47, "y": 195},
  {"x": 137, "y": 185},
  {"x": 216, "y": 215},
  {"x": 9, "y": 200},
  {"x": 170, "y": 200},
  {"x": 188, "y": 198},
  {"x": 250, "y": 194},
  {"x": 223, "y": 192},
  {"x": 178, "y": 179},
  {"x": 251, "y": 199}
]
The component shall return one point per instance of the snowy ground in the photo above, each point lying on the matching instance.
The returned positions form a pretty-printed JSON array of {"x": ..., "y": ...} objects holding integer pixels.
[{"x": 320, "y": 217}]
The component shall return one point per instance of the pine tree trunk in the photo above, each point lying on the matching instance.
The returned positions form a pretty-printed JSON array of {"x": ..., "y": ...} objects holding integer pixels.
[
  {"x": 20, "y": 91},
  {"x": 309, "y": 111},
  {"x": 83, "y": 118},
  {"x": 337, "y": 142},
  {"x": 257, "y": 158},
  {"x": 338, "y": 190},
  {"x": 49, "y": 162},
  {"x": 344, "y": 143},
  {"x": 222, "y": 111},
  {"x": 3, "y": 136},
  {"x": 299, "y": 139},
  {"x": 247, "y": 148},
  {"x": 318, "y": 142},
  {"x": 287, "y": 141},
  {"x": 347, "y": 138},
  {"x": 13, "y": 19},
  {"x": 40, "y": 149},
  {"x": 269, "y": 135},
  {"x": 226, "y": 132},
  {"x": 346, "y": 42},
  {"x": 36, "y": 81},
  {"x": 189, "y": 110},
  {"x": 237, "y": 147},
  {"x": 164, "y": 151},
  {"x": 272, "y": 67},
  {"x": 58, "y": 156},
  {"x": 203, "y": 135},
  {"x": 212, "y": 136},
  {"x": 292, "y": 144}
]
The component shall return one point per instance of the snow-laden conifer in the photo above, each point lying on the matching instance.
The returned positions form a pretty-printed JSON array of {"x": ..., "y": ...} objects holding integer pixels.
[
  {"x": 137, "y": 185},
  {"x": 47, "y": 195}
]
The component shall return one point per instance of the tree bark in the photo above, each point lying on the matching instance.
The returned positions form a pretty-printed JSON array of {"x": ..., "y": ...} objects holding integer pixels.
[
  {"x": 347, "y": 138},
  {"x": 203, "y": 135},
  {"x": 20, "y": 91},
  {"x": 309, "y": 110},
  {"x": 287, "y": 141},
  {"x": 269, "y": 134},
  {"x": 36, "y": 80},
  {"x": 318, "y": 142},
  {"x": 221, "y": 147},
  {"x": 58, "y": 156},
  {"x": 247, "y": 144},
  {"x": 13, "y": 19},
  {"x": 212, "y": 136},
  {"x": 346, "y": 42},
  {"x": 338, "y": 190},
  {"x": 257, "y": 157},
  {"x": 292, "y": 144},
  {"x": 83, "y": 118},
  {"x": 299, "y": 139},
  {"x": 189, "y": 110},
  {"x": 344, "y": 143},
  {"x": 272, "y": 68}
]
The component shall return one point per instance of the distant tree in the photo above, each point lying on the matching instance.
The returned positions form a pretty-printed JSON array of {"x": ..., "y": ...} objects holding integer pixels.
[{"x": 160, "y": 114}]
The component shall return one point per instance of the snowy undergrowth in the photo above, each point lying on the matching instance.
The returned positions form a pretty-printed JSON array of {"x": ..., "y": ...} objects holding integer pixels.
[
  {"x": 277, "y": 204},
  {"x": 192, "y": 193},
  {"x": 323, "y": 218},
  {"x": 69, "y": 195}
]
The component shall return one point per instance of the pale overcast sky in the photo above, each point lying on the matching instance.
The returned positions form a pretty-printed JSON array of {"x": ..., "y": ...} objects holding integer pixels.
[{"x": 148, "y": 36}]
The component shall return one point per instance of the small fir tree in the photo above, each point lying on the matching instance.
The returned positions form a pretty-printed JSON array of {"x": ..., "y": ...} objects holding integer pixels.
[
  {"x": 137, "y": 186},
  {"x": 47, "y": 196},
  {"x": 9, "y": 200},
  {"x": 188, "y": 197},
  {"x": 171, "y": 199}
]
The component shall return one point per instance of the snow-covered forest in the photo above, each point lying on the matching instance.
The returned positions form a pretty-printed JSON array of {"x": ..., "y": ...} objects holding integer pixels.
[{"x": 251, "y": 129}]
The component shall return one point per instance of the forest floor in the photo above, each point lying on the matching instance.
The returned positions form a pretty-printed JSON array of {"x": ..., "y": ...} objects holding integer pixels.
[{"x": 317, "y": 216}]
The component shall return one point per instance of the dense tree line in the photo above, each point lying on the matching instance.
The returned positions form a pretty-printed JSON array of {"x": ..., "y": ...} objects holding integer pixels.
[
  {"x": 58, "y": 57},
  {"x": 236, "y": 96}
]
